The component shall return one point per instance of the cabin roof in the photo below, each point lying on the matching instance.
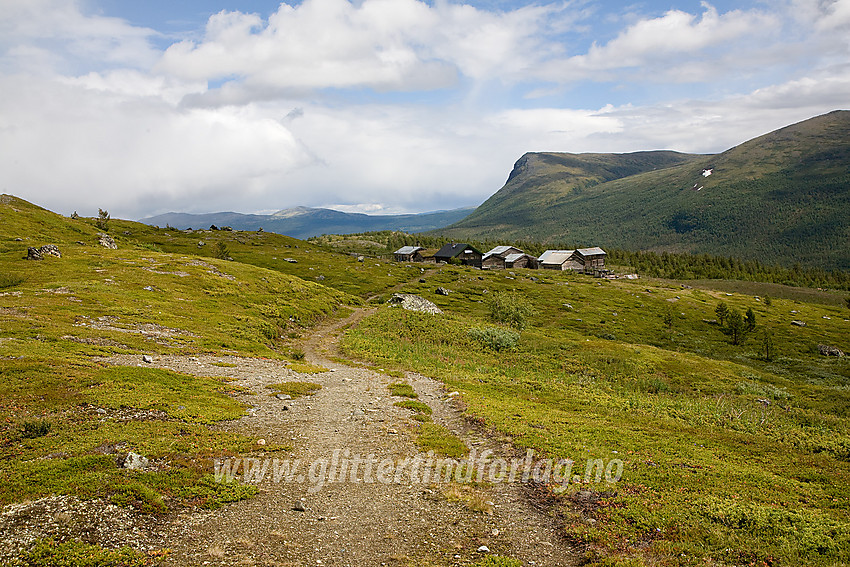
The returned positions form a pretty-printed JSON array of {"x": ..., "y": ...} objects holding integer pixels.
[
  {"x": 408, "y": 249},
  {"x": 595, "y": 251},
  {"x": 555, "y": 256},
  {"x": 514, "y": 257},
  {"x": 499, "y": 251},
  {"x": 455, "y": 248}
]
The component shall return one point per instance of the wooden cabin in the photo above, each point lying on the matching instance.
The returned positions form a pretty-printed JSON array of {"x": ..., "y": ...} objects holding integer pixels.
[
  {"x": 409, "y": 254},
  {"x": 521, "y": 260},
  {"x": 466, "y": 254},
  {"x": 591, "y": 259},
  {"x": 559, "y": 260},
  {"x": 495, "y": 258}
]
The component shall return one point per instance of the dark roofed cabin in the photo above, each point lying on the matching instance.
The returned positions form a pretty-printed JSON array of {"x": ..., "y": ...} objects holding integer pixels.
[{"x": 466, "y": 254}]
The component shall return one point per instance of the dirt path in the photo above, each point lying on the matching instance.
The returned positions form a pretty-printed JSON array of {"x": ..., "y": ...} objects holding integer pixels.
[{"x": 352, "y": 523}]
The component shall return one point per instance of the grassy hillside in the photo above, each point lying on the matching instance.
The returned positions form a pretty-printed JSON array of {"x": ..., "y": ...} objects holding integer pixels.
[
  {"x": 779, "y": 198},
  {"x": 729, "y": 458},
  {"x": 733, "y": 453},
  {"x": 60, "y": 407}
]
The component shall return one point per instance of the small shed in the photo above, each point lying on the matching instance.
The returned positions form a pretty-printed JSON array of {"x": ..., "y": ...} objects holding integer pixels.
[
  {"x": 409, "y": 254},
  {"x": 466, "y": 254},
  {"x": 495, "y": 258},
  {"x": 521, "y": 260},
  {"x": 559, "y": 260},
  {"x": 592, "y": 259}
]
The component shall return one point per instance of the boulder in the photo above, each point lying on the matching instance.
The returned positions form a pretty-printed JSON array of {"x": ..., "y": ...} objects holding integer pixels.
[
  {"x": 827, "y": 350},
  {"x": 798, "y": 323},
  {"x": 106, "y": 241},
  {"x": 40, "y": 253},
  {"x": 34, "y": 254},
  {"x": 135, "y": 462},
  {"x": 442, "y": 291},
  {"x": 50, "y": 250},
  {"x": 412, "y": 302}
]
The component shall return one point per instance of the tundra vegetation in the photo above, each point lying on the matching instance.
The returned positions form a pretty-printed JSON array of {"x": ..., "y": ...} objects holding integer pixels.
[{"x": 733, "y": 453}]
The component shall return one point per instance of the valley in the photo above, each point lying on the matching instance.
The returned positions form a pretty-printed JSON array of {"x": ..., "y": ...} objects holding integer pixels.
[{"x": 734, "y": 448}]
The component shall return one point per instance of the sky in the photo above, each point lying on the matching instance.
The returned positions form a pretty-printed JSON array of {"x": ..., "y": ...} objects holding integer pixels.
[{"x": 384, "y": 106}]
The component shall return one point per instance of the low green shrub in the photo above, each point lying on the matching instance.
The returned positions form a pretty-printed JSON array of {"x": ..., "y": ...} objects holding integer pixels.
[
  {"x": 49, "y": 553},
  {"x": 499, "y": 561},
  {"x": 495, "y": 338},
  {"x": 36, "y": 428},
  {"x": 416, "y": 406},
  {"x": 213, "y": 494},
  {"x": 403, "y": 390}
]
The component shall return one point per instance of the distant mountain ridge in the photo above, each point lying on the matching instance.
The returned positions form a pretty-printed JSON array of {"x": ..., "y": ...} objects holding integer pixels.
[
  {"x": 304, "y": 222},
  {"x": 782, "y": 198}
]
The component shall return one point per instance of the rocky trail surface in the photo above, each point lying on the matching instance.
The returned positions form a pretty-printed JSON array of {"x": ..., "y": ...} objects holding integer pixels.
[{"x": 308, "y": 521}]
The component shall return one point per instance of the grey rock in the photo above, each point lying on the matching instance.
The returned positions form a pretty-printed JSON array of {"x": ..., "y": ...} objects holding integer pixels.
[
  {"x": 50, "y": 250},
  {"x": 19, "y": 239},
  {"x": 799, "y": 323},
  {"x": 360, "y": 258},
  {"x": 442, "y": 291},
  {"x": 412, "y": 302},
  {"x": 827, "y": 350},
  {"x": 290, "y": 260},
  {"x": 34, "y": 254},
  {"x": 135, "y": 462},
  {"x": 283, "y": 396},
  {"x": 106, "y": 241},
  {"x": 299, "y": 506},
  {"x": 484, "y": 549},
  {"x": 201, "y": 243},
  {"x": 147, "y": 359},
  {"x": 46, "y": 250}
]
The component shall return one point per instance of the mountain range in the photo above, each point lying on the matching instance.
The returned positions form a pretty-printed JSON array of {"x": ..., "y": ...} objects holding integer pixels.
[
  {"x": 783, "y": 197},
  {"x": 304, "y": 222}
]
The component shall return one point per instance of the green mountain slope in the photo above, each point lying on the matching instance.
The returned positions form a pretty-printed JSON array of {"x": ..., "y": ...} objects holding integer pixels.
[
  {"x": 304, "y": 222},
  {"x": 782, "y": 197}
]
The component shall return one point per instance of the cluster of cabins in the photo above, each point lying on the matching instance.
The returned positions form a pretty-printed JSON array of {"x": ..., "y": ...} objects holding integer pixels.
[{"x": 588, "y": 260}]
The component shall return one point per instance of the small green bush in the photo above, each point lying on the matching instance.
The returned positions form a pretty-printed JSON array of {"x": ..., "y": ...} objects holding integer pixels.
[
  {"x": 214, "y": 494},
  {"x": 48, "y": 553},
  {"x": 511, "y": 309},
  {"x": 221, "y": 251},
  {"x": 37, "y": 428},
  {"x": 296, "y": 389},
  {"x": 140, "y": 497},
  {"x": 499, "y": 561},
  {"x": 415, "y": 405},
  {"x": 403, "y": 390},
  {"x": 434, "y": 437},
  {"x": 494, "y": 338}
]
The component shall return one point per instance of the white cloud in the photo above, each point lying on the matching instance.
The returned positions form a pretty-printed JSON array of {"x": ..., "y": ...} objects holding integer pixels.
[
  {"x": 676, "y": 37},
  {"x": 72, "y": 146},
  {"x": 382, "y": 44},
  {"x": 55, "y": 32},
  {"x": 331, "y": 101}
]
